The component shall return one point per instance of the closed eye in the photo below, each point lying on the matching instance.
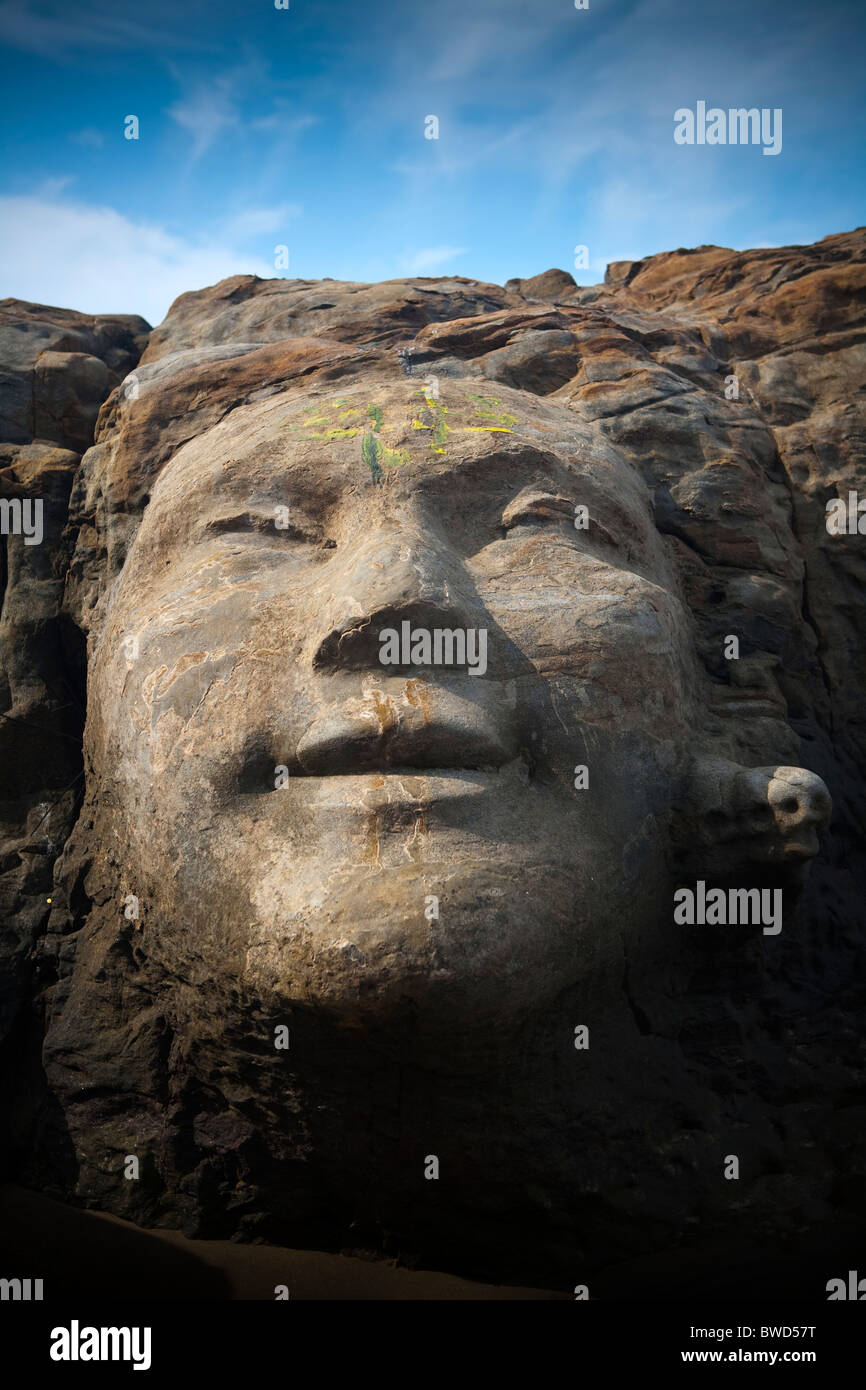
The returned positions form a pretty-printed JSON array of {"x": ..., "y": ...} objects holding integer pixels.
[
  {"x": 539, "y": 508},
  {"x": 543, "y": 508},
  {"x": 280, "y": 524}
]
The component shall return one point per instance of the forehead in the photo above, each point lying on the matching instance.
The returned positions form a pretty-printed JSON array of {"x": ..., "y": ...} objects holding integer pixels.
[{"x": 404, "y": 438}]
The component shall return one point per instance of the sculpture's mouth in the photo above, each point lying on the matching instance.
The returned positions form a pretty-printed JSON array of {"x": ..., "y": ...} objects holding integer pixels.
[
  {"x": 805, "y": 848},
  {"x": 735, "y": 700},
  {"x": 798, "y": 849},
  {"x": 394, "y": 732},
  {"x": 336, "y": 747}
]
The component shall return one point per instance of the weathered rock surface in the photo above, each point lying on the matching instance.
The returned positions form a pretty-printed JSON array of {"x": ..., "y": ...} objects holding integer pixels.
[
  {"x": 56, "y": 369},
  {"x": 431, "y": 440}
]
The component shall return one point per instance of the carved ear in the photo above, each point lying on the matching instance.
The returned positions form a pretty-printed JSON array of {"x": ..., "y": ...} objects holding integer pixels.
[{"x": 734, "y": 821}]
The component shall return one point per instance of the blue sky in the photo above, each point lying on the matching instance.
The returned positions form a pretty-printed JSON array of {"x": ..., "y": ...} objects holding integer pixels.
[{"x": 304, "y": 127}]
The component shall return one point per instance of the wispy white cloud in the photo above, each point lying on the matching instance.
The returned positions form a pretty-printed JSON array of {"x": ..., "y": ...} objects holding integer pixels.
[
  {"x": 54, "y": 30},
  {"x": 89, "y": 136},
  {"x": 205, "y": 112},
  {"x": 431, "y": 258},
  {"x": 259, "y": 222},
  {"x": 463, "y": 149},
  {"x": 207, "y": 109},
  {"x": 463, "y": 44},
  {"x": 81, "y": 256},
  {"x": 53, "y": 187},
  {"x": 281, "y": 120}
]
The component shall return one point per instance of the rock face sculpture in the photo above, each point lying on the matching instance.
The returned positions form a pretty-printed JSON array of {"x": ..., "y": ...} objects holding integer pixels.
[{"x": 438, "y": 636}]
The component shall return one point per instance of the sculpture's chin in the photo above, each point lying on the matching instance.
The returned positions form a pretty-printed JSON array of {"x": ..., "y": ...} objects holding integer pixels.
[
  {"x": 463, "y": 902},
  {"x": 459, "y": 948}
]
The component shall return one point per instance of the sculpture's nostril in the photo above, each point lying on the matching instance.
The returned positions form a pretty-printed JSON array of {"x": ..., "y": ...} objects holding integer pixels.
[{"x": 800, "y": 797}]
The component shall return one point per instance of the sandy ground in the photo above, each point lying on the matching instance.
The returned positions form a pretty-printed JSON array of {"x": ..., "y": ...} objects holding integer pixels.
[{"x": 89, "y": 1254}]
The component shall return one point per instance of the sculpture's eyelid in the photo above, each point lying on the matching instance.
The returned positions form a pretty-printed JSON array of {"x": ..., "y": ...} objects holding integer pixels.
[
  {"x": 548, "y": 507},
  {"x": 545, "y": 507},
  {"x": 281, "y": 521}
]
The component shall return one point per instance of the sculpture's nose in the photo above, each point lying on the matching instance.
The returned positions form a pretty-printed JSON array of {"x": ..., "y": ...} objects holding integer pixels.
[{"x": 398, "y": 569}]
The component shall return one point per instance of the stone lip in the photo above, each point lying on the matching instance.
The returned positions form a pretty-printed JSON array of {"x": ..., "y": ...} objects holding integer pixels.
[{"x": 443, "y": 732}]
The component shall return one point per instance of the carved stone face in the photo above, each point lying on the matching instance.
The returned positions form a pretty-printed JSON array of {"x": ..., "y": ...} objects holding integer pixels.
[
  {"x": 365, "y": 837},
  {"x": 429, "y": 844}
]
